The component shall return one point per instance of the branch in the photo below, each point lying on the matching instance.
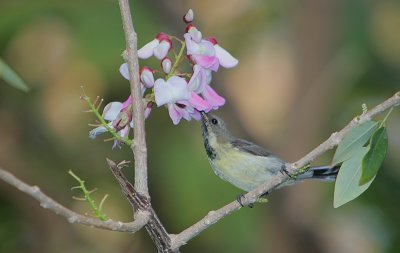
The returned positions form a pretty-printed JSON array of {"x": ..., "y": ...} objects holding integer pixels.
[
  {"x": 139, "y": 146},
  {"x": 214, "y": 216},
  {"x": 139, "y": 202},
  {"x": 72, "y": 217}
]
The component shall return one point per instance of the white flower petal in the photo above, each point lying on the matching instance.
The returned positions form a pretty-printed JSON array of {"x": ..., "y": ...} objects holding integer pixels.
[
  {"x": 188, "y": 16},
  {"x": 148, "y": 50},
  {"x": 166, "y": 65},
  {"x": 161, "y": 50},
  {"x": 171, "y": 91},
  {"x": 147, "y": 78},
  {"x": 111, "y": 110},
  {"x": 124, "y": 70},
  {"x": 225, "y": 58}
]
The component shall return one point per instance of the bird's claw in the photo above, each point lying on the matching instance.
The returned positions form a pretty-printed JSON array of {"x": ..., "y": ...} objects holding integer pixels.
[
  {"x": 284, "y": 171},
  {"x": 239, "y": 200}
]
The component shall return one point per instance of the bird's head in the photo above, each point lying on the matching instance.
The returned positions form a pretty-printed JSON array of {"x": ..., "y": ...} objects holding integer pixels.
[{"x": 214, "y": 127}]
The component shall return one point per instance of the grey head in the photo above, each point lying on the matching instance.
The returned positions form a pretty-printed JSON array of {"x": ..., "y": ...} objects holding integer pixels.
[{"x": 213, "y": 125}]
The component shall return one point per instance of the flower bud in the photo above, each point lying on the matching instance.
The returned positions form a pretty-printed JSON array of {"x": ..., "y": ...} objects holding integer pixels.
[
  {"x": 146, "y": 76},
  {"x": 194, "y": 33},
  {"x": 166, "y": 65},
  {"x": 188, "y": 16}
]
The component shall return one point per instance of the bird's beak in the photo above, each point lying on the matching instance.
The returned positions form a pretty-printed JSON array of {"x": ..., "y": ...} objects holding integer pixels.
[{"x": 204, "y": 116}]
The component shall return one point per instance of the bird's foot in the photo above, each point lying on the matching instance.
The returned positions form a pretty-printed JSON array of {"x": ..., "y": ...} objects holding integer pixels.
[
  {"x": 284, "y": 171},
  {"x": 239, "y": 200}
]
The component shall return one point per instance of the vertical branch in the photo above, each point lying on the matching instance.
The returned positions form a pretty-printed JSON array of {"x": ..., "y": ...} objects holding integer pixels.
[{"x": 139, "y": 146}]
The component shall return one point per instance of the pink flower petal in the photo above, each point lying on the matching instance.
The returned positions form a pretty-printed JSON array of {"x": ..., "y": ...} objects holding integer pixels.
[
  {"x": 198, "y": 79},
  {"x": 124, "y": 71},
  {"x": 161, "y": 50},
  {"x": 199, "y": 103},
  {"x": 225, "y": 58},
  {"x": 174, "y": 114},
  {"x": 111, "y": 110},
  {"x": 208, "y": 62},
  {"x": 127, "y": 102},
  {"x": 148, "y": 50},
  {"x": 196, "y": 115},
  {"x": 211, "y": 96},
  {"x": 147, "y": 111}
]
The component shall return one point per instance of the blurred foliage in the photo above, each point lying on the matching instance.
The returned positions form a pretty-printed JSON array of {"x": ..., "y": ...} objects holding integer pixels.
[{"x": 305, "y": 69}]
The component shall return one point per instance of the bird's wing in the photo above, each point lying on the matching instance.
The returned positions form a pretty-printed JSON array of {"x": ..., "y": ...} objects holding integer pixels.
[{"x": 250, "y": 147}]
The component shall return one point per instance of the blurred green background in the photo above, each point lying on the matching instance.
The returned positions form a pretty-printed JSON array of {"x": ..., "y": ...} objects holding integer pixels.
[{"x": 305, "y": 69}]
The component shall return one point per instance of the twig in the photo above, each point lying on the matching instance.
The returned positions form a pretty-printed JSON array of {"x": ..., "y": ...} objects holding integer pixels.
[
  {"x": 88, "y": 198},
  {"x": 139, "y": 148},
  {"x": 45, "y": 201},
  {"x": 154, "y": 227},
  {"x": 214, "y": 216}
]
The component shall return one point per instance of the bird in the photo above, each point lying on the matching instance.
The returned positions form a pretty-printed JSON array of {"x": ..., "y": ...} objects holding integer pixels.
[{"x": 247, "y": 165}]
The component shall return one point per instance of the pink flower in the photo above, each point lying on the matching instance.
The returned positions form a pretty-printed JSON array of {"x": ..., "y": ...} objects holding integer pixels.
[
  {"x": 225, "y": 58},
  {"x": 182, "y": 109},
  {"x": 199, "y": 83},
  {"x": 208, "y": 54},
  {"x": 158, "y": 47}
]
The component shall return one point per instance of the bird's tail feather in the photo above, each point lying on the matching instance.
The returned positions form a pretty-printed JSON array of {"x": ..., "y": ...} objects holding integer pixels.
[{"x": 325, "y": 173}]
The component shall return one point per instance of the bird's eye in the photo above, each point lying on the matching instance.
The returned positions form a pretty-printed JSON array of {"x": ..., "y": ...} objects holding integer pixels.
[{"x": 214, "y": 121}]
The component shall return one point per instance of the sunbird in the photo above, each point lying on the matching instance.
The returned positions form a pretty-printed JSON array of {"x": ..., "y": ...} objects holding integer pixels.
[{"x": 245, "y": 164}]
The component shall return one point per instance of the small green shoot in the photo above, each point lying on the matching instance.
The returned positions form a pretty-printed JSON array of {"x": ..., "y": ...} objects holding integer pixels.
[{"x": 88, "y": 198}]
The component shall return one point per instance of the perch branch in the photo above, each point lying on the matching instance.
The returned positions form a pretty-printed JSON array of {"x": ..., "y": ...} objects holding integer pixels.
[
  {"x": 214, "y": 216},
  {"x": 73, "y": 217}
]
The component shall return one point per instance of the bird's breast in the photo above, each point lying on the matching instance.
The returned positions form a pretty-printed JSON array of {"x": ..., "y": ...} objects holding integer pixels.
[{"x": 244, "y": 170}]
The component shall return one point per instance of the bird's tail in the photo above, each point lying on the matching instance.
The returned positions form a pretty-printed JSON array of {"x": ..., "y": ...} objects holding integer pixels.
[{"x": 325, "y": 173}]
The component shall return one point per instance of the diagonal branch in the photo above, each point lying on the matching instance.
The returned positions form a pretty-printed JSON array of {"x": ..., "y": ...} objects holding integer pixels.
[
  {"x": 72, "y": 217},
  {"x": 139, "y": 202},
  {"x": 139, "y": 148},
  {"x": 214, "y": 216}
]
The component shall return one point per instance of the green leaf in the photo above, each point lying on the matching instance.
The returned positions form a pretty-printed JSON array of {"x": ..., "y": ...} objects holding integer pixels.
[
  {"x": 10, "y": 77},
  {"x": 353, "y": 140},
  {"x": 375, "y": 156},
  {"x": 346, "y": 186}
]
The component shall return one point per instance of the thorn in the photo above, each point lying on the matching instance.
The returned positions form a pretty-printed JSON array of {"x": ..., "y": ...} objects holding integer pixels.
[
  {"x": 98, "y": 106},
  {"x": 123, "y": 164},
  {"x": 84, "y": 97},
  {"x": 109, "y": 139},
  {"x": 78, "y": 198},
  {"x": 91, "y": 191}
]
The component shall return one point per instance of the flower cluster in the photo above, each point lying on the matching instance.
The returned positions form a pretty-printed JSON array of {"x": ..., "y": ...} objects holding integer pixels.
[{"x": 184, "y": 94}]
